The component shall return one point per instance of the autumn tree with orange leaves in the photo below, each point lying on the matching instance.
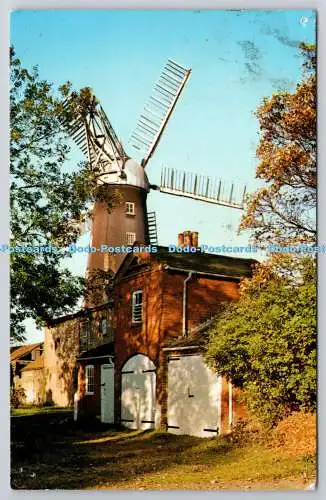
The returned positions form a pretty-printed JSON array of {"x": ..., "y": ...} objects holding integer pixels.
[{"x": 283, "y": 211}]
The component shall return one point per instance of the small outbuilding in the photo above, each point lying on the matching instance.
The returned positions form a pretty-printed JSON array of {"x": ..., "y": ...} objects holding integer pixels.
[{"x": 27, "y": 373}]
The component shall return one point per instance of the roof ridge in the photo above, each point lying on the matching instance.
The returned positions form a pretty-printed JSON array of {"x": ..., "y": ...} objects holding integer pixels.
[
  {"x": 207, "y": 254},
  {"x": 22, "y": 350}
]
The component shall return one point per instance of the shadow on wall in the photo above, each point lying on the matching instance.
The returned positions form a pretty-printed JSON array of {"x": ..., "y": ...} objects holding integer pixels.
[
  {"x": 143, "y": 338},
  {"x": 138, "y": 393},
  {"x": 203, "y": 298},
  {"x": 48, "y": 398},
  {"x": 61, "y": 350},
  {"x": 194, "y": 397}
]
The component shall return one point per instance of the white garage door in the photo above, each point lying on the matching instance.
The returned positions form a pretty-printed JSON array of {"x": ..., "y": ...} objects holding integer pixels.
[
  {"x": 194, "y": 397},
  {"x": 107, "y": 393},
  {"x": 138, "y": 388}
]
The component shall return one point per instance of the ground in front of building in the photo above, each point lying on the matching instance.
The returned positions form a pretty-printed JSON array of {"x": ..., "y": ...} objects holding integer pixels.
[{"x": 51, "y": 451}]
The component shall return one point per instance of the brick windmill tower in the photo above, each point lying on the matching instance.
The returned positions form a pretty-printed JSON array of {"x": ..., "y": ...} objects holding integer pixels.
[{"x": 129, "y": 221}]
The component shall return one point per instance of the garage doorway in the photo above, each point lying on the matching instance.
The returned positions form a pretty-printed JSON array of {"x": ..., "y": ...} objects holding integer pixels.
[
  {"x": 194, "y": 397},
  {"x": 138, "y": 393}
]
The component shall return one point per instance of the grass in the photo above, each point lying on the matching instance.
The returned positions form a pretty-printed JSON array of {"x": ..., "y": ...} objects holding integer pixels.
[
  {"x": 53, "y": 452},
  {"x": 36, "y": 410}
]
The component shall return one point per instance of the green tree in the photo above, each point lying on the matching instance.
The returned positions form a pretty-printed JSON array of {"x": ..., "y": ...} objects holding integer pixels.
[
  {"x": 49, "y": 202},
  {"x": 266, "y": 342}
]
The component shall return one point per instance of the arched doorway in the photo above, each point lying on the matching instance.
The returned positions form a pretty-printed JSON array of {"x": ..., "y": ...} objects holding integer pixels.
[{"x": 138, "y": 393}]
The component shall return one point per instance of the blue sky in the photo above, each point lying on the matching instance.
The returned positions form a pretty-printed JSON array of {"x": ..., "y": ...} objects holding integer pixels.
[{"x": 236, "y": 57}]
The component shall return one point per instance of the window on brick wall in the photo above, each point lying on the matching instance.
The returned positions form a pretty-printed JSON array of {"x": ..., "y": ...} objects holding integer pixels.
[
  {"x": 137, "y": 306},
  {"x": 130, "y": 238},
  {"x": 130, "y": 208},
  {"x": 90, "y": 383}
]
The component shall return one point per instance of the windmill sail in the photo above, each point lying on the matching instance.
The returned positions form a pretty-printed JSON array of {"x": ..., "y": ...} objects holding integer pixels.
[
  {"x": 93, "y": 133},
  {"x": 200, "y": 187},
  {"x": 158, "y": 109},
  {"x": 95, "y": 136}
]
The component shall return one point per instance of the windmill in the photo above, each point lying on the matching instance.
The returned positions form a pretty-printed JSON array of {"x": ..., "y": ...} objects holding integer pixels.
[{"x": 130, "y": 221}]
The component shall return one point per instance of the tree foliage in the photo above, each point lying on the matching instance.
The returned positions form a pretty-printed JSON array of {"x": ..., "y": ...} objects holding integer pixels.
[
  {"x": 284, "y": 209},
  {"x": 49, "y": 202},
  {"x": 266, "y": 342}
]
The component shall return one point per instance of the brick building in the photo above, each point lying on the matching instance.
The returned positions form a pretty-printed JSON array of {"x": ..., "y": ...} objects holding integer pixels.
[
  {"x": 27, "y": 373},
  {"x": 129, "y": 350}
]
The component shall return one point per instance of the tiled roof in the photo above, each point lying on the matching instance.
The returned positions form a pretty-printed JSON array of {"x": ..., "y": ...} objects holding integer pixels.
[
  {"x": 22, "y": 350},
  {"x": 196, "y": 338},
  {"x": 37, "y": 364},
  {"x": 100, "y": 350},
  {"x": 206, "y": 263}
]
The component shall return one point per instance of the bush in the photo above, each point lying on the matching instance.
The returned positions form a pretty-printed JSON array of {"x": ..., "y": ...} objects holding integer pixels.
[
  {"x": 248, "y": 430},
  {"x": 297, "y": 434},
  {"x": 266, "y": 344}
]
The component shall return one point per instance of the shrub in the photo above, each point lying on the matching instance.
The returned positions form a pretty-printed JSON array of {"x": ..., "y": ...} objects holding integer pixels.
[
  {"x": 266, "y": 344},
  {"x": 297, "y": 435}
]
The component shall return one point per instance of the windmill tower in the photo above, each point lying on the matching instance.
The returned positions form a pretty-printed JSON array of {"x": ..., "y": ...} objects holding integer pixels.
[{"x": 130, "y": 221}]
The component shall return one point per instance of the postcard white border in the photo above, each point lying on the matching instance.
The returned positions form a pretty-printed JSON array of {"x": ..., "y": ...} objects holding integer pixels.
[{"x": 5, "y": 7}]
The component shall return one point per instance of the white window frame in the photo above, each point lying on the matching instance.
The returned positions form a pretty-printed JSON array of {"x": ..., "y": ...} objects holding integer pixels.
[
  {"x": 137, "y": 306},
  {"x": 130, "y": 208},
  {"x": 129, "y": 237},
  {"x": 90, "y": 380}
]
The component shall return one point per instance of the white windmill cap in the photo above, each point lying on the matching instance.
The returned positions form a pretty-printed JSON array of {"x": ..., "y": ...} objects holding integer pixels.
[{"x": 135, "y": 175}]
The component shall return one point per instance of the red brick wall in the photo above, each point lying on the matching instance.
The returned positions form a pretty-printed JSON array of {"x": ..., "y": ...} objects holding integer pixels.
[
  {"x": 110, "y": 228},
  {"x": 162, "y": 320},
  {"x": 132, "y": 339},
  {"x": 203, "y": 296},
  {"x": 239, "y": 407},
  {"x": 89, "y": 404},
  {"x": 141, "y": 338}
]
